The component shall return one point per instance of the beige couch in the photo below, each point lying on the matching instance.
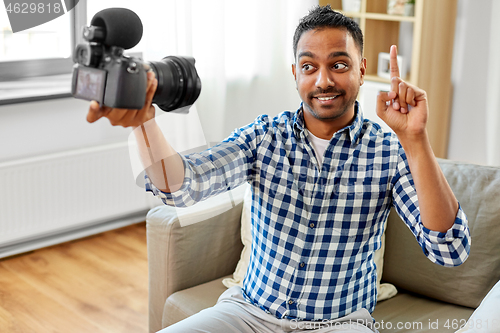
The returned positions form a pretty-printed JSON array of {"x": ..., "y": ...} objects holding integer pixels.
[{"x": 188, "y": 260}]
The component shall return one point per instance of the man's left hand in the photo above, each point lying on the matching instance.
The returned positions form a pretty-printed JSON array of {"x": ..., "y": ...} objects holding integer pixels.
[{"x": 404, "y": 108}]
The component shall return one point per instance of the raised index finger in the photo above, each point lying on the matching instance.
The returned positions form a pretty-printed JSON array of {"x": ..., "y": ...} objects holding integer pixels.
[{"x": 394, "y": 62}]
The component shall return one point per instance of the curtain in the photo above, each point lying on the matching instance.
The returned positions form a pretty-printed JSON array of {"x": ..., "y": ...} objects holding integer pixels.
[
  {"x": 475, "y": 118},
  {"x": 243, "y": 52},
  {"x": 493, "y": 91}
]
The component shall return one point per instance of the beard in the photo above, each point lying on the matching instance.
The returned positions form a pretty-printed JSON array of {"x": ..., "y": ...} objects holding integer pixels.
[{"x": 339, "y": 110}]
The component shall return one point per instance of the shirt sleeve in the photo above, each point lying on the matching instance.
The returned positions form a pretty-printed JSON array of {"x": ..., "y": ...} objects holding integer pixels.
[
  {"x": 450, "y": 248},
  {"x": 218, "y": 169}
]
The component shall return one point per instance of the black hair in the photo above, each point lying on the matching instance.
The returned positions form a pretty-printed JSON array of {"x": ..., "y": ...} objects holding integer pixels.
[{"x": 325, "y": 17}]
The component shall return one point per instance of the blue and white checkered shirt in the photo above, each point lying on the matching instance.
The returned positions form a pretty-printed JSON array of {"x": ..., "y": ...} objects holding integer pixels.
[{"x": 315, "y": 229}]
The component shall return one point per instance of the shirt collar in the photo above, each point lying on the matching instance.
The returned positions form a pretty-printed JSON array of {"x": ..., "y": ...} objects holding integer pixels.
[
  {"x": 357, "y": 125},
  {"x": 298, "y": 121},
  {"x": 354, "y": 128}
]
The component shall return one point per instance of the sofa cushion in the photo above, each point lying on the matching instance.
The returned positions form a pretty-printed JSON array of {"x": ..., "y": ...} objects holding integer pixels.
[
  {"x": 246, "y": 240},
  {"x": 477, "y": 188},
  {"x": 187, "y": 302},
  {"x": 409, "y": 312}
]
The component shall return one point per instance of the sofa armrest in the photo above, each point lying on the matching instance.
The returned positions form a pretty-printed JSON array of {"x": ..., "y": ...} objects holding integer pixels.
[{"x": 191, "y": 246}]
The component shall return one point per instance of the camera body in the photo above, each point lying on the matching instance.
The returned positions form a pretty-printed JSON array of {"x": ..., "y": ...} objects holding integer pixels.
[
  {"x": 117, "y": 81},
  {"x": 103, "y": 73}
]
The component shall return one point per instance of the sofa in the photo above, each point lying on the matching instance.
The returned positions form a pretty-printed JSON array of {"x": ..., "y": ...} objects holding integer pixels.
[{"x": 191, "y": 251}]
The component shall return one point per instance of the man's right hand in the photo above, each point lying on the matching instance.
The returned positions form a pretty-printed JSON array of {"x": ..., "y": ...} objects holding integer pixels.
[{"x": 125, "y": 117}]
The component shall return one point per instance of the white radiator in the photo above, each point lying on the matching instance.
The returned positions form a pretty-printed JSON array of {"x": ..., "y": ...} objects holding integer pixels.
[{"x": 54, "y": 198}]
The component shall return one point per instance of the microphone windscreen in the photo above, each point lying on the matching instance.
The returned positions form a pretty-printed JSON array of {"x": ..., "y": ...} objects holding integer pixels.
[{"x": 122, "y": 26}]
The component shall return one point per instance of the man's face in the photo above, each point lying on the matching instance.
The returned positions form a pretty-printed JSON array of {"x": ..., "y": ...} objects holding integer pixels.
[{"x": 328, "y": 71}]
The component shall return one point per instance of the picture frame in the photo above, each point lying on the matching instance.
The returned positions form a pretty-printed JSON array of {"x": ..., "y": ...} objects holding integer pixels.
[{"x": 384, "y": 66}]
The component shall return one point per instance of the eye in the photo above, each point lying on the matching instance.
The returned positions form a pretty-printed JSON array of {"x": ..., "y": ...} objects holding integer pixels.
[
  {"x": 340, "y": 66},
  {"x": 307, "y": 67}
]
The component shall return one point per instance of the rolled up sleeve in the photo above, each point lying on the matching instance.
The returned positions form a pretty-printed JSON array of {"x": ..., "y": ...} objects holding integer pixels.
[
  {"x": 218, "y": 169},
  {"x": 450, "y": 248}
]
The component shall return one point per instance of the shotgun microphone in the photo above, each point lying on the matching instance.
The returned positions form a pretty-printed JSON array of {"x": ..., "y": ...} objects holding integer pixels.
[{"x": 119, "y": 27}]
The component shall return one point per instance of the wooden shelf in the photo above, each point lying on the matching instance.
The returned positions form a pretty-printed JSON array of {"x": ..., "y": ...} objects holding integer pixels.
[
  {"x": 381, "y": 17},
  {"x": 376, "y": 78}
]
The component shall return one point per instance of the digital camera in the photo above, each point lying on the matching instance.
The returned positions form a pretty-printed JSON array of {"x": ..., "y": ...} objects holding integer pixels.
[{"x": 103, "y": 73}]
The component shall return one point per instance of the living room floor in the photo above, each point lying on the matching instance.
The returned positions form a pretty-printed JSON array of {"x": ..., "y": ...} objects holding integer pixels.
[{"x": 96, "y": 284}]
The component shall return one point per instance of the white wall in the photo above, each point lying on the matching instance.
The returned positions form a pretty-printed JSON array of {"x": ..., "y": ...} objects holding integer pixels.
[
  {"x": 470, "y": 70},
  {"x": 38, "y": 128}
]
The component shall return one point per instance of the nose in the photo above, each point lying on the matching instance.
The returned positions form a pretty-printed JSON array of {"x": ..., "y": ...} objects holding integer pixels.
[{"x": 324, "y": 80}]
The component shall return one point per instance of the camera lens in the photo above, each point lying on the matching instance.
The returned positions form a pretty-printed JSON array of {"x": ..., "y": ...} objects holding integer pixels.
[{"x": 178, "y": 82}]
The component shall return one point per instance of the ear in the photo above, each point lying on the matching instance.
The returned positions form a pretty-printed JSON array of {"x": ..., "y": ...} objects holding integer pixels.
[
  {"x": 362, "y": 71},
  {"x": 294, "y": 72}
]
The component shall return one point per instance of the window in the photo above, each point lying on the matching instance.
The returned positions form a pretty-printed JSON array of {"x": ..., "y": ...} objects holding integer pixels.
[
  {"x": 37, "y": 56},
  {"x": 36, "y": 64},
  {"x": 49, "y": 40}
]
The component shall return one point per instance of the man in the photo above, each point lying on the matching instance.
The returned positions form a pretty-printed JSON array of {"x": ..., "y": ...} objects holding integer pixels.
[{"x": 323, "y": 182}]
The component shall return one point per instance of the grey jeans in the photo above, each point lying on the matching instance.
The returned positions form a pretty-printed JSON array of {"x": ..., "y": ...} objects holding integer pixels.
[{"x": 233, "y": 314}]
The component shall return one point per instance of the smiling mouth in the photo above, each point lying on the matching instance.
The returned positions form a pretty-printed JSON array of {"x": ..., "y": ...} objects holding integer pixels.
[{"x": 329, "y": 98}]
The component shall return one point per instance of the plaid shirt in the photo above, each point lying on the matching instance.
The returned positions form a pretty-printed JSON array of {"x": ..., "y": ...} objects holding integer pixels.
[{"x": 315, "y": 229}]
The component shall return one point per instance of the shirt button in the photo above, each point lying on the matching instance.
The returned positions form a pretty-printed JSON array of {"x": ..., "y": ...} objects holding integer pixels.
[
  {"x": 312, "y": 225},
  {"x": 302, "y": 265},
  {"x": 290, "y": 302}
]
